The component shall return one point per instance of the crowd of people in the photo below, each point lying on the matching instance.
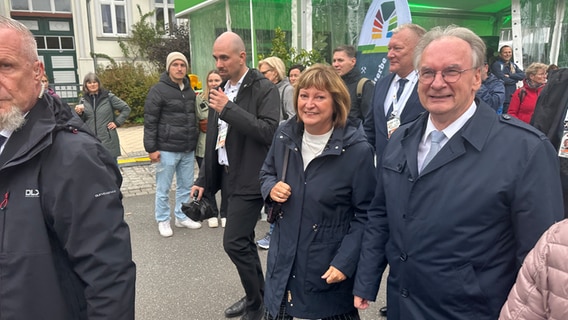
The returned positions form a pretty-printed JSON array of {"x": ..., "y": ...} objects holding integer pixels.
[{"x": 354, "y": 176}]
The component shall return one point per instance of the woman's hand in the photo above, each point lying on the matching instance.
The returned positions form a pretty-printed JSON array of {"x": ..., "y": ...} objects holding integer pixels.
[
  {"x": 280, "y": 192},
  {"x": 79, "y": 109},
  {"x": 333, "y": 275},
  {"x": 111, "y": 125}
]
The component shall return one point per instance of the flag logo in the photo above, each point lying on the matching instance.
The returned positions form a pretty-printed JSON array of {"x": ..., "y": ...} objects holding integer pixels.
[{"x": 385, "y": 21}]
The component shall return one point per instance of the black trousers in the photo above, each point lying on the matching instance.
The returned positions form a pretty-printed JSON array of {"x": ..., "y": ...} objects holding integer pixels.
[{"x": 238, "y": 242}]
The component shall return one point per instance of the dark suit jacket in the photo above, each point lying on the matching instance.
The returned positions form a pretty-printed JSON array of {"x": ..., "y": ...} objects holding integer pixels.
[{"x": 376, "y": 122}]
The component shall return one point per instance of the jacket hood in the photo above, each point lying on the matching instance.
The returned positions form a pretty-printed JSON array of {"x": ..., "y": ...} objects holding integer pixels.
[
  {"x": 47, "y": 117},
  {"x": 491, "y": 78},
  {"x": 65, "y": 119},
  {"x": 341, "y": 138}
]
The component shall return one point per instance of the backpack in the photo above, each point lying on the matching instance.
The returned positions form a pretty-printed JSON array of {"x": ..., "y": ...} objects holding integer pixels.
[{"x": 360, "y": 86}]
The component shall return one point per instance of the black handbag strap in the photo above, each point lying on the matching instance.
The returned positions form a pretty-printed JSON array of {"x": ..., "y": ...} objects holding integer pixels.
[{"x": 285, "y": 165}]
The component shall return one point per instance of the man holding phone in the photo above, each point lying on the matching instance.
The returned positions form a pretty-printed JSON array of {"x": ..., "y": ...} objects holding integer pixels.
[{"x": 243, "y": 116}]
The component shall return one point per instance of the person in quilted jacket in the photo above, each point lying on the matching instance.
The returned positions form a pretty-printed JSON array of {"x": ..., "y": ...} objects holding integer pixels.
[{"x": 540, "y": 290}]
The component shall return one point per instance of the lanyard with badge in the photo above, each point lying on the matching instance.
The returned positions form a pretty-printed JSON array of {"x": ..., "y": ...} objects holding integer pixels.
[
  {"x": 393, "y": 122},
  {"x": 224, "y": 126},
  {"x": 563, "y": 150}
]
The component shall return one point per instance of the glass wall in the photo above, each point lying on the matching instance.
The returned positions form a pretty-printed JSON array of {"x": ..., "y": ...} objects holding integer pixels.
[
  {"x": 338, "y": 22},
  {"x": 539, "y": 20},
  {"x": 209, "y": 22}
]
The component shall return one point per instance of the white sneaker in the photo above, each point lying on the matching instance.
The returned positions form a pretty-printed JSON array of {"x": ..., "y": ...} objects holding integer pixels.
[
  {"x": 165, "y": 229},
  {"x": 223, "y": 222},
  {"x": 213, "y": 222},
  {"x": 187, "y": 223}
]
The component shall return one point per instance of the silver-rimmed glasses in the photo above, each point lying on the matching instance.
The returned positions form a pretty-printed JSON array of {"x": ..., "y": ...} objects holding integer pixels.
[{"x": 427, "y": 76}]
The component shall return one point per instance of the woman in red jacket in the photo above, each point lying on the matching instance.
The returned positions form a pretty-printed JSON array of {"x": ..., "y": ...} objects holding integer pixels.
[{"x": 523, "y": 101}]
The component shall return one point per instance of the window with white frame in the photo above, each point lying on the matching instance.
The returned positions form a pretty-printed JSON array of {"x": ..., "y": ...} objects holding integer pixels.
[
  {"x": 41, "y": 5},
  {"x": 165, "y": 14},
  {"x": 113, "y": 17}
]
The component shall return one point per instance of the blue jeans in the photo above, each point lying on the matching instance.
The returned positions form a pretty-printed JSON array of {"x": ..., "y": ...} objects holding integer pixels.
[{"x": 180, "y": 163}]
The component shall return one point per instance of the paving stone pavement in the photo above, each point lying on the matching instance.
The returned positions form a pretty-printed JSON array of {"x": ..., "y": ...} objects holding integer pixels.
[
  {"x": 138, "y": 180},
  {"x": 138, "y": 174}
]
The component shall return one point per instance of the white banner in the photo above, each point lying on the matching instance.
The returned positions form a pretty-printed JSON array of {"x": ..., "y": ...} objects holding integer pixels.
[{"x": 383, "y": 16}]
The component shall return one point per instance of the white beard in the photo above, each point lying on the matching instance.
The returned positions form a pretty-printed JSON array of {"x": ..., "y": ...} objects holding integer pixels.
[{"x": 12, "y": 120}]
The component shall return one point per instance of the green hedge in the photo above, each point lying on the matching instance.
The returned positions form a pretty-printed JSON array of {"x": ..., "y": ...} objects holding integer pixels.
[{"x": 130, "y": 82}]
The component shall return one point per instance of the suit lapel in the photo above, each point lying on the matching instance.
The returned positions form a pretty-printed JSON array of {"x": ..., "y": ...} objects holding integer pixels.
[
  {"x": 410, "y": 104},
  {"x": 382, "y": 92},
  {"x": 410, "y": 142}
]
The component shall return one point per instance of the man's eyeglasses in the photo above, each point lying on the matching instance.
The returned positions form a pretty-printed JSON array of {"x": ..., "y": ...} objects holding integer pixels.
[{"x": 427, "y": 76}]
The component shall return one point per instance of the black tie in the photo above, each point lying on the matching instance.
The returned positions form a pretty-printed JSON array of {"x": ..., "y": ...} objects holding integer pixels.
[
  {"x": 2, "y": 140},
  {"x": 401, "y": 83}
]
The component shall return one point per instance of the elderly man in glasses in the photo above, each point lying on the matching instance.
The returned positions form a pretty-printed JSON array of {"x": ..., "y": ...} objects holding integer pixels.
[{"x": 453, "y": 227}]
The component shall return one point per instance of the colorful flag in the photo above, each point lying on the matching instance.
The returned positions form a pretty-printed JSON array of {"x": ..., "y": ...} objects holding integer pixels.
[{"x": 383, "y": 16}]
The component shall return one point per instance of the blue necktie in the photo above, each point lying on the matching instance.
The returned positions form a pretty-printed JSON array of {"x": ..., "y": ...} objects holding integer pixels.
[
  {"x": 401, "y": 83},
  {"x": 436, "y": 138}
]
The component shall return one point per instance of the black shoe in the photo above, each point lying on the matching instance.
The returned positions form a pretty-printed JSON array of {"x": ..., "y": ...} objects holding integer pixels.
[
  {"x": 237, "y": 309},
  {"x": 383, "y": 311},
  {"x": 254, "y": 315}
]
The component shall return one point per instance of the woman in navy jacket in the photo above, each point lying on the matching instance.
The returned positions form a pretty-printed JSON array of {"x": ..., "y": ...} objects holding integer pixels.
[{"x": 327, "y": 190}]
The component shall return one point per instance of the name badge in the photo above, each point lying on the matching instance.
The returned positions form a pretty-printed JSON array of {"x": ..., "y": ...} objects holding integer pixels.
[
  {"x": 392, "y": 125},
  {"x": 563, "y": 150},
  {"x": 221, "y": 137}
]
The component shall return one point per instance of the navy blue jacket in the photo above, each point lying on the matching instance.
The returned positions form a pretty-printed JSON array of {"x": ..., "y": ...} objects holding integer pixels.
[
  {"x": 492, "y": 92},
  {"x": 455, "y": 235},
  {"x": 376, "y": 121},
  {"x": 502, "y": 71},
  {"x": 323, "y": 220}
]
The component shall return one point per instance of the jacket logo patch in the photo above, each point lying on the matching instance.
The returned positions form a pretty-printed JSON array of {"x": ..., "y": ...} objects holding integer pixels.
[{"x": 32, "y": 193}]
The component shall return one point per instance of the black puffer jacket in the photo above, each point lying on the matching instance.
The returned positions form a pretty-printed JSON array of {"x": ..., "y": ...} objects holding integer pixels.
[
  {"x": 65, "y": 248},
  {"x": 169, "y": 117}
]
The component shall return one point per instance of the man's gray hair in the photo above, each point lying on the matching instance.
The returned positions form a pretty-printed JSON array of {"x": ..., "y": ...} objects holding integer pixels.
[
  {"x": 28, "y": 40},
  {"x": 418, "y": 30},
  {"x": 477, "y": 45}
]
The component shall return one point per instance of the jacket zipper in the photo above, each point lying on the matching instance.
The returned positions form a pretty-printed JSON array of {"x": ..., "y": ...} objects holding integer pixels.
[{"x": 3, "y": 206}]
